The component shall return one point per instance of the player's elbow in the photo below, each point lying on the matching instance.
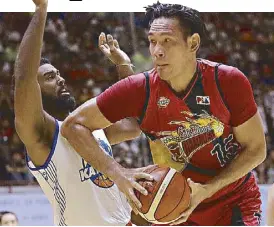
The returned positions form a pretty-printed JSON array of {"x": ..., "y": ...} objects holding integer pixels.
[
  {"x": 136, "y": 132},
  {"x": 259, "y": 152},
  {"x": 69, "y": 127}
]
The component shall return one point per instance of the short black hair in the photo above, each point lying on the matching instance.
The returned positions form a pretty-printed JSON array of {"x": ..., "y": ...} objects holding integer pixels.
[
  {"x": 44, "y": 61},
  {"x": 190, "y": 19},
  {"x": 2, "y": 213}
]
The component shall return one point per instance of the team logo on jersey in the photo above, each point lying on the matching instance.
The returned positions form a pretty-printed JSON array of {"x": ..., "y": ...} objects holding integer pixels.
[
  {"x": 203, "y": 100},
  {"x": 89, "y": 173},
  {"x": 192, "y": 134},
  {"x": 163, "y": 102}
]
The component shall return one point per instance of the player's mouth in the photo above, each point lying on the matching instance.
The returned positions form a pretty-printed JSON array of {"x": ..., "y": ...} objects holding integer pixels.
[
  {"x": 63, "y": 91},
  {"x": 161, "y": 66}
]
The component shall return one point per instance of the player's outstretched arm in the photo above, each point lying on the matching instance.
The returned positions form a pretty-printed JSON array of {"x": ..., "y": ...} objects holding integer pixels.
[
  {"x": 32, "y": 123},
  {"x": 77, "y": 129},
  {"x": 126, "y": 129}
]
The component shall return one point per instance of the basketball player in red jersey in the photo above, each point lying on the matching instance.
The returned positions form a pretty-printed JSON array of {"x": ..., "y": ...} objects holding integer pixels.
[{"x": 200, "y": 116}]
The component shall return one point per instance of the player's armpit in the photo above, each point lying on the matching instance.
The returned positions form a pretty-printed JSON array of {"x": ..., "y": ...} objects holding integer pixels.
[
  {"x": 126, "y": 129},
  {"x": 31, "y": 122}
]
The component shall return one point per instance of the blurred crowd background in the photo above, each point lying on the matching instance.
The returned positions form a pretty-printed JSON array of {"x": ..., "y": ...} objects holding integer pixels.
[{"x": 244, "y": 40}]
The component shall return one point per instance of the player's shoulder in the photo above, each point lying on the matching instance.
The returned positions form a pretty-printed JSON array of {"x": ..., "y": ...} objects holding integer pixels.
[
  {"x": 225, "y": 72},
  {"x": 141, "y": 75},
  {"x": 232, "y": 76},
  {"x": 140, "y": 78}
]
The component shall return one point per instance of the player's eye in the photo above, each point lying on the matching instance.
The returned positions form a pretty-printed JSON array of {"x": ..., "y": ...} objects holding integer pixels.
[
  {"x": 152, "y": 41},
  {"x": 50, "y": 76}
]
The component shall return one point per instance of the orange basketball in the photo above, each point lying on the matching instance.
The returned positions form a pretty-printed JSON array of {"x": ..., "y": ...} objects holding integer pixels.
[{"x": 168, "y": 196}]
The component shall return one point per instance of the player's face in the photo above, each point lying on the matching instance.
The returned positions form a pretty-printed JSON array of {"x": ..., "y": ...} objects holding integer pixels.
[
  {"x": 9, "y": 220},
  {"x": 168, "y": 47},
  {"x": 51, "y": 82},
  {"x": 54, "y": 89}
]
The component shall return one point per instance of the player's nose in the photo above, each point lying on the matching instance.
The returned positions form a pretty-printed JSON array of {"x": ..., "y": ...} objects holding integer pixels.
[
  {"x": 61, "y": 81},
  {"x": 159, "y": 51}
]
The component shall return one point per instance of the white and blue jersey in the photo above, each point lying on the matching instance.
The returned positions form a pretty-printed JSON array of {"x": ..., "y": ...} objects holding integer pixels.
[{"x": 78, "y": 193}]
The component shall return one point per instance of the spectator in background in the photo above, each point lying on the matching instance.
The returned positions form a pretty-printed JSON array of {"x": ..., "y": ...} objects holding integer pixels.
[
  {"x": 17, "y": 168},
  {"x": 8, "y": 218},
  {"x": 261, "y": 173},
  {"x": 270, "y": 167}
]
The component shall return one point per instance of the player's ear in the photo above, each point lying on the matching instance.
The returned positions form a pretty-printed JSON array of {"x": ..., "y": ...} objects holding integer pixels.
[{"x": 194, "y": 42}]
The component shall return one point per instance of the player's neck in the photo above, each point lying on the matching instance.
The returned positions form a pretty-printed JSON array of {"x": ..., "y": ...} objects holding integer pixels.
[
  {"x": 180, "y": 81},
  {"x": 60, "y": 115}
]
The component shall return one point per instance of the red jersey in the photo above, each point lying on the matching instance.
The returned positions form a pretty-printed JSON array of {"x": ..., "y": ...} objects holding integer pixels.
[{"x": 191, "y": 132}]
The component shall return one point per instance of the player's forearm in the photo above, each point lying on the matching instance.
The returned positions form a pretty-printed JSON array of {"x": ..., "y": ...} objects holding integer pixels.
[
  {"x": 124, "y": 70},
  {"x": 247, "y": 160},
  {"x": 29, "y": 53},
  {"x": 123, "y": 130},
  {"x": 84, "y": 143}
]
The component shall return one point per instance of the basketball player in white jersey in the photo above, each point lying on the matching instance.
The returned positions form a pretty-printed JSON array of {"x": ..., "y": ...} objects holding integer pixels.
[{"x": 79, "y": 194}]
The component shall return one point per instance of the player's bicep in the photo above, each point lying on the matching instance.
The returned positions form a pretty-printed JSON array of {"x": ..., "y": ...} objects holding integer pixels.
[
  {"x": 126, "y": 129},
  {"x": 250, "y": 135},
  {"x": 30, "y": 119},
  {"x": 87, "y": 115}
]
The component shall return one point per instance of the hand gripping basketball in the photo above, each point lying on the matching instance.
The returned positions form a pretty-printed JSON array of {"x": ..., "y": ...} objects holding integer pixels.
[
  {"x": 127, "y": 182},
  {"x": 169, "y": 196},
  {"x": 199, "y": 193}
]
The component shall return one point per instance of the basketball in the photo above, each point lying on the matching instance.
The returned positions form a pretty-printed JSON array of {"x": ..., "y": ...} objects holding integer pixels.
[{"x": 168, "y": 196}]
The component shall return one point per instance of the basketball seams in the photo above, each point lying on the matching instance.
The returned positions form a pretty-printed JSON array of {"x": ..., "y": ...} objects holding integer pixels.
[
  {"x": 185, "y": 182},
  {"x": 156, "y": 187},
  {"x": 161, "y": 191},
  {"x": 167, "y": 179}
]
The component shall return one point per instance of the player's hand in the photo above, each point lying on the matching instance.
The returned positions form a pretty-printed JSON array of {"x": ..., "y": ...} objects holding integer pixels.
[
  {"x": 128, "y": 182},
  {"x": 40, "y": 2},
  {"x": 110, "y": 48},
  {"x": 198, "y": 194}
]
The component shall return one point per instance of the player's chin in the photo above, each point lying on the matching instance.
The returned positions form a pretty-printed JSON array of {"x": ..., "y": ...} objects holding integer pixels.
[{"x": 164, "y": 75}]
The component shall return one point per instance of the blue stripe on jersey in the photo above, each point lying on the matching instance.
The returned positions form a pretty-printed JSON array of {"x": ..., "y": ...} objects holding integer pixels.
[
  {"x": 51, "y": 151},
  {"x": 59, "y": 195}
]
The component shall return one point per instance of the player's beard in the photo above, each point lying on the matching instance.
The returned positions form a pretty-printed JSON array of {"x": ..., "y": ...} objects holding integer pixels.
[{"x": 61, "y": 104}]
